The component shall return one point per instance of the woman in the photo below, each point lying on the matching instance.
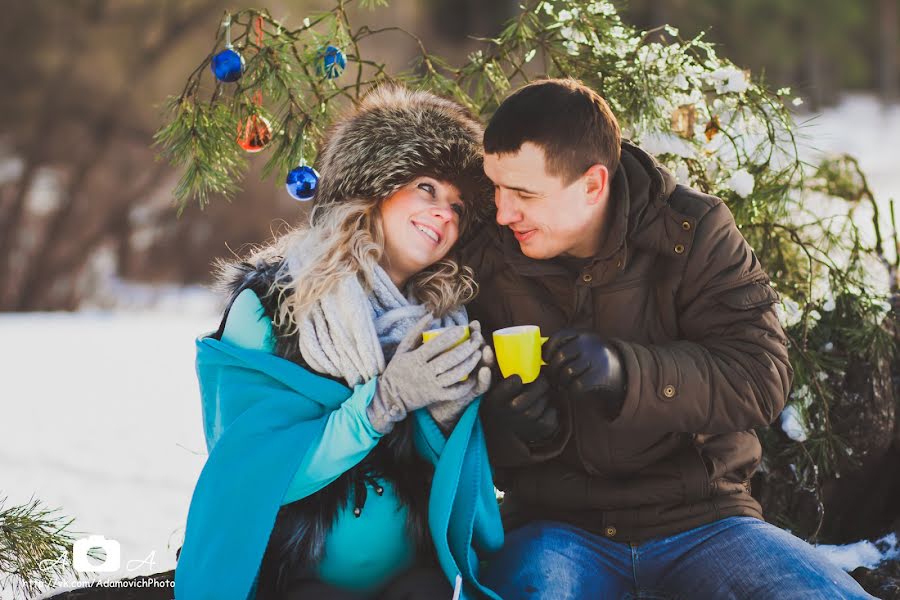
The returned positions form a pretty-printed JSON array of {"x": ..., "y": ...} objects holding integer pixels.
[{"x": 347, "y": 298}]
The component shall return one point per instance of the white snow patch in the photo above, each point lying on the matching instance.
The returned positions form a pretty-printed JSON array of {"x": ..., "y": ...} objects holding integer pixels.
[
  {"x": 793, "y": 425},
  {"x": 729, "y": 79},
  {"x": 862, "y": 554},
  {"x": 742, "y": 182},
  {"x": 666, "y": 143}
]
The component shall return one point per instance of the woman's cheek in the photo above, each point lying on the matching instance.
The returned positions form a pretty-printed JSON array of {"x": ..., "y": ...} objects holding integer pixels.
[{"x": 452, "y": 236}]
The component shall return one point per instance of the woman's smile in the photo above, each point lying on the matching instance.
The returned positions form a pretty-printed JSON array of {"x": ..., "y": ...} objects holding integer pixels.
[{"x": 429, "y": 232}]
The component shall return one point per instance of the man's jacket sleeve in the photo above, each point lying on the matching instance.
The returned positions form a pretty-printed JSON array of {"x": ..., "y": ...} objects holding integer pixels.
[{"x": 730, "y": 369}]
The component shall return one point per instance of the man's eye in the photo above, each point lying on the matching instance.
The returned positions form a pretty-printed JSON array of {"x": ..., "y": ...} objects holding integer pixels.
[{"x": 427, "y": 187}]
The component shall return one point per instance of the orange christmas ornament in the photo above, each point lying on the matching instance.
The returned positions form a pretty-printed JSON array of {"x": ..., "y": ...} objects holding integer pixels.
[{"x": 254, "y": 133}]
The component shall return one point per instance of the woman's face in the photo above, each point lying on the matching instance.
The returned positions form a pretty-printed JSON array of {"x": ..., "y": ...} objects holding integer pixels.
[{"x": 421, "y": 224}]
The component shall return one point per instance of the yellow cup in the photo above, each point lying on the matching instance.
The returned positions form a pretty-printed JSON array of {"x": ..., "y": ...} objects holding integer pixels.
[
  {"x": 429, "y": 335},
  {"x": 518, "y": 351}
]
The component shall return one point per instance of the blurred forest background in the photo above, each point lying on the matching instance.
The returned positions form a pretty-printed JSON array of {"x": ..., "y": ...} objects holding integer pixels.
[{"x": 85, "y": 203}]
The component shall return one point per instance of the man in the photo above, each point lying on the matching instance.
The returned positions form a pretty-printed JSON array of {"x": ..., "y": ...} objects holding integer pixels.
[{"x": 626, "y": 464}]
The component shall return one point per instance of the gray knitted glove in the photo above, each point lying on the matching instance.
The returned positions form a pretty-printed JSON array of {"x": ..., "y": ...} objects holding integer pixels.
[
  {"x": 422, "y": 374},
  {"x": 447, "y": 413}
]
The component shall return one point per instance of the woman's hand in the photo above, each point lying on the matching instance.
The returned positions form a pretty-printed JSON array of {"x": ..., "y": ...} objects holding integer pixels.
[
  {"x": 423, "y": 374},
  {"x": 447, "y": 412}
]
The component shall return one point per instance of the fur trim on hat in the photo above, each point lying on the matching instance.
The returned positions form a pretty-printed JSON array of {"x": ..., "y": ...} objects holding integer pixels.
[{"x": 396, "y": 135}]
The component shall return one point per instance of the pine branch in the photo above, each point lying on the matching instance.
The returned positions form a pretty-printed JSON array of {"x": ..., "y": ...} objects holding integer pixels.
[{"x": 35, "y": 547}]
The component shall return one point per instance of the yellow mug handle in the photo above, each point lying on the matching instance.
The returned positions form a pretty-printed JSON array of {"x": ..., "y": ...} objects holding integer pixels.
[{"x": 543, "y": 341}]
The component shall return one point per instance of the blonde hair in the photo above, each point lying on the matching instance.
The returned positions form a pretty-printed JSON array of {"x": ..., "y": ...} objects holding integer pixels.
[{"x": 346, "y": 240}]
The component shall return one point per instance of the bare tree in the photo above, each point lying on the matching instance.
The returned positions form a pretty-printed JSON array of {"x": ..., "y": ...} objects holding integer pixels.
[{"x": 81, "y": 125}]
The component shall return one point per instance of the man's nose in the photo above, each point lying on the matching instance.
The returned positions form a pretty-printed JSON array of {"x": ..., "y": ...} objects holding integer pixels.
[{"x": 506, "y": 209}]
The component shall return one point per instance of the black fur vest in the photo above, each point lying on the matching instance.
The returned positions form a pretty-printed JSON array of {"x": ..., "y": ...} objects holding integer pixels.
[{"x": 297, "y": 539}]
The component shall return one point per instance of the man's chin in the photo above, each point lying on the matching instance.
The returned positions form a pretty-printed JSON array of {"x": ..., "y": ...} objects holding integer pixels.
[{"x": 531, "y": 251}]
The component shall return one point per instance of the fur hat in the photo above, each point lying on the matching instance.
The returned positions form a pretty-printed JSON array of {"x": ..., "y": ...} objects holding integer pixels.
[{"x": 395, "y": 135}]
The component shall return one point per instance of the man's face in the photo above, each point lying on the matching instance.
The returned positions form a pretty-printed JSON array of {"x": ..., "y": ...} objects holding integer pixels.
[{"x": 548, "y": 217}]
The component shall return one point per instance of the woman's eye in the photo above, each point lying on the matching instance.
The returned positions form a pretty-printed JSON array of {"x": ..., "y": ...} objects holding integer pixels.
[
  {"x": 459, "y": 209},
  {"x": 427, "y": 187}
]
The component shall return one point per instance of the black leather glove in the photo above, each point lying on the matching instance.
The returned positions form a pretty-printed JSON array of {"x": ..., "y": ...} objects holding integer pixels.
[
  {"x": 523, "y": 408},
  {"x": 587, "y": 368}
]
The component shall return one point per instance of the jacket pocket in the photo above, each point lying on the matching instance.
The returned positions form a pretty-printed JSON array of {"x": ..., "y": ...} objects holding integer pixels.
[{"x": 694, "y": 475}]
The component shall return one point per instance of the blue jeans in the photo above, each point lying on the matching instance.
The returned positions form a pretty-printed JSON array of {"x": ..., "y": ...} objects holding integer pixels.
[{"x": 736, "y": 557}]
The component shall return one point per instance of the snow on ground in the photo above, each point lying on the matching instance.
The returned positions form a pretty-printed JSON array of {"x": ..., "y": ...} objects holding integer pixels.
[
  {"x": 100, "y": 411},
  {"x": 100, "y": 417},
  {"x": 863, "y": 554}
]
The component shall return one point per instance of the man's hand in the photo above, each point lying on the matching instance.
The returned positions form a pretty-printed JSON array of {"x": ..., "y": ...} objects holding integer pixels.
[
  {"x": 523, "y": 408},
  {"x": 587, "y": 369}
]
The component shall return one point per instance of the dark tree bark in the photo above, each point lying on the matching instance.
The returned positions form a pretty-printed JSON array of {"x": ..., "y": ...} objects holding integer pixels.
[{"x": 889, "y": 32}]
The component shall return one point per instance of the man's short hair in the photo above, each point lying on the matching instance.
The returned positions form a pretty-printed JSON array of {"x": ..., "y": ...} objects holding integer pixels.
[{"x": 569, "y": 121}]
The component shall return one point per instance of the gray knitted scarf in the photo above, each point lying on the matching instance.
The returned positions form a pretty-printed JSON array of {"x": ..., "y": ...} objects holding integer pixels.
[{"x": 351, "y": 334}]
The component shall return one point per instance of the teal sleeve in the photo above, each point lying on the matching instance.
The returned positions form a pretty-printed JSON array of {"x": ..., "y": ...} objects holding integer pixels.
[{"x": 347, "y": 436}]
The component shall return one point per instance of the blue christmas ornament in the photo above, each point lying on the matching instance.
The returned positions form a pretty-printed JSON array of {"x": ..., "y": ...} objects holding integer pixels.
[
  {"x": 331, "y": 62},
  {"x": 228, "y": 65},
  {"x": 302, "y": 182}
]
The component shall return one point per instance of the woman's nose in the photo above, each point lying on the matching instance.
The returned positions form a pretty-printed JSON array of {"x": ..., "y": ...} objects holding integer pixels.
[{"x": 443, "y": 213}]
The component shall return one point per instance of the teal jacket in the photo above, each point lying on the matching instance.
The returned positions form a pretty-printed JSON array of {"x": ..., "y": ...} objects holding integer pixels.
[{"x": 261, "y": 414}]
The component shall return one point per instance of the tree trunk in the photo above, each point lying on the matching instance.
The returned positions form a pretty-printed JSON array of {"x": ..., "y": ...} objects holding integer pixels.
[{"x": 888, "y": 54}]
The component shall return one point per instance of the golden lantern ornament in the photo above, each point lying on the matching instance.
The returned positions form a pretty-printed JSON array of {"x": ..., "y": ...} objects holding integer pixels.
[
  {"x": 254, "y": 133},
  {"x": 683, "y": 119}
]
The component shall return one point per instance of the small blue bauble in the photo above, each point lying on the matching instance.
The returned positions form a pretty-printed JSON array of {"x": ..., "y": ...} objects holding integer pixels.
[
  {"x": 228, "y": 65},
  {"x": 302, "y": 182},
  {"x": 331, "y": 62}
]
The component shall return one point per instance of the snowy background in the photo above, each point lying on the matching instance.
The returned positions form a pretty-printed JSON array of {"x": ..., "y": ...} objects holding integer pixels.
[{"x": 104, "y": 422}]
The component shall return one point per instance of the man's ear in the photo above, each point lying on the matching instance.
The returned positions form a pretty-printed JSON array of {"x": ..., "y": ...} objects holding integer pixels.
[{"x": 596, "y": 183}]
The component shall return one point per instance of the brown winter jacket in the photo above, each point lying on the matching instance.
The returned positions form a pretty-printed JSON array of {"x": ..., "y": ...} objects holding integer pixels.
[{"x": 679, "y": 292}]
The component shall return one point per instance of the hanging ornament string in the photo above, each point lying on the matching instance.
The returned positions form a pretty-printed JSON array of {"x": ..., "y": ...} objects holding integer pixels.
[
  {"x": 255, "y": 133},
  {"x": 228, "y": 65},
  {"x": 259, "y": 32}
]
